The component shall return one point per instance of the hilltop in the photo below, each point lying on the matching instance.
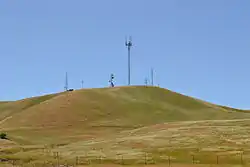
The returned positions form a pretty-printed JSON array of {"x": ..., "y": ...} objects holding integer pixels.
[
  {"x": 87, "y": 113},
  {"x": 119, "y": 106}
]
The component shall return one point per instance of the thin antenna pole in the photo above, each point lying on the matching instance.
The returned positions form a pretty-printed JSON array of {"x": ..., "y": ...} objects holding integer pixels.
[
  {"x": 152, "y": 76},
  {"x": 129, "y": 66},
  {"x": 129, "y": 45},
  {"x": 82, "y": 84},
  {"x": 146, "y": 81},
  {"x": 66, "y": 82}
]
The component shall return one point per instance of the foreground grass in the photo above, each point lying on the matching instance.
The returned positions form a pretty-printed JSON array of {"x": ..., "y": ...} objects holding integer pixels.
[
  {"x": 180, "y": 143},
  {"x": 112, "y": 165}
]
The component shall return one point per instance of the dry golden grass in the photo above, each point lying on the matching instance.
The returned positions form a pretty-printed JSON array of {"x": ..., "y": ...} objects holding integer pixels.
[
  {"x": 121, "y": 126},
  {"x": 205, "y": 140}
]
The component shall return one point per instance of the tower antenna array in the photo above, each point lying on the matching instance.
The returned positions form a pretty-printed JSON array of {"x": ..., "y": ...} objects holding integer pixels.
[{"x": 128, "y": 44}]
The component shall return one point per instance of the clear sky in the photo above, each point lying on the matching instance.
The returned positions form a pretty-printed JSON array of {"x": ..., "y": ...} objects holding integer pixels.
[{"x": 199, "y": 48}]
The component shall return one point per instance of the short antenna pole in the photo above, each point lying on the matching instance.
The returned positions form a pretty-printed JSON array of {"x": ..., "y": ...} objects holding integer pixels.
[
  {"x": 152, "y": 76},
  {"x": 66, "y": 82}
]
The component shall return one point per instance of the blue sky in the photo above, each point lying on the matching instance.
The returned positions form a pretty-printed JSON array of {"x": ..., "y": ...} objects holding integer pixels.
[{"x": 198, "y": 48}]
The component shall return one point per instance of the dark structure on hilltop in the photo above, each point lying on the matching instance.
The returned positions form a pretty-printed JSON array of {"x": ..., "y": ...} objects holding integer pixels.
[
  {"x": 66, "y": 84},
  {"x": 112, "y": 80}
]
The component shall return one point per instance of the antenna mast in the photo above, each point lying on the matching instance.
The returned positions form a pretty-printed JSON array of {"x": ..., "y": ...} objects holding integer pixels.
[
  {"x": 152, "y": 76},
  {"x": 66, "y": 82},
  {"x": 128, "y": 44},
  {"x": 82, "y": 83},
  {"x": 146, "y": 81}
]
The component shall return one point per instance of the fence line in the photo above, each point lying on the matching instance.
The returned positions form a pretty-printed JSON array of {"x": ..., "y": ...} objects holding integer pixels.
[{"x": 238, "y": 159}]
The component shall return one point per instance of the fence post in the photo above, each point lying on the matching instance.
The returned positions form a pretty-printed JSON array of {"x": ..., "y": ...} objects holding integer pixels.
[
  {"x": 193, "y": 158},
  {"x": 57, "y": 157},
  {"x": 217, "y": 159},
  {"x": 122, "y": 160},
  {"x": 76, "y": 160},
  {"x": 89, "y": 161},
  {"x": 169, "y": 163},
  {"x": 241, "y": 158},
  {"x": 145, "y": 159},
  {"x": 100, "y": 159}
]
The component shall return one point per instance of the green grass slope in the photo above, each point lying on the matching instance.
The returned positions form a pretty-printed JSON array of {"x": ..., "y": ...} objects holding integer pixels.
[
  {"x": 129, "y": 121},
  {"x": 8, "y": 109},
  {"x": 92, "y": 112},
  {"x": 121, "y": 106}
]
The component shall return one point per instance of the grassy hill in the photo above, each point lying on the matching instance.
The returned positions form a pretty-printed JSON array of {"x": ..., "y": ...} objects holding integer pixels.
[
  {"x": 75, "y": 119},
  {"x": 95, "y": 111},
  {"x": 131, "y": 105}
]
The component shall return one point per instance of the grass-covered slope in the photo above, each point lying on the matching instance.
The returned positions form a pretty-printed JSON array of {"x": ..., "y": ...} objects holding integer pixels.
[
  {"x": 9, "y": 109},
  {"x": 129, "y": 121},
  {"x": 121, "y": 106}
]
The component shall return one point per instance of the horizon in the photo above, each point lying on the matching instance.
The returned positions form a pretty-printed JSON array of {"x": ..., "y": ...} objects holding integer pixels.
[
  {"x": 123, "y": 86},
  {"x": 198, "y": 49}
]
